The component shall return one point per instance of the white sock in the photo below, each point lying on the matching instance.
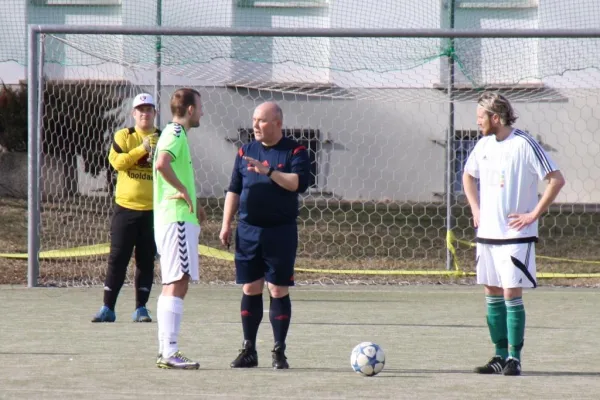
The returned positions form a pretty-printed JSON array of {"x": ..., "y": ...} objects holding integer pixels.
[
  {"x": 169, "y": 313},
  {"x": 159, "y": 308}
]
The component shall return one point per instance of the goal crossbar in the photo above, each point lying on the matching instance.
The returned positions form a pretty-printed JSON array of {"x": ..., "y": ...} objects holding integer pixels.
[{"x": 316, "y": 32}]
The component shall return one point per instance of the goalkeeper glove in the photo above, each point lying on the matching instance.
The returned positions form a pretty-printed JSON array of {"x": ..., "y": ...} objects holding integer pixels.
[{"x": 149, "y": 142}]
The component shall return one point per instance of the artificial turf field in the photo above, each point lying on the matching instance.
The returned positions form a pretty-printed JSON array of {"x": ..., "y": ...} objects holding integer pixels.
[{"x": 432, "y": 335}]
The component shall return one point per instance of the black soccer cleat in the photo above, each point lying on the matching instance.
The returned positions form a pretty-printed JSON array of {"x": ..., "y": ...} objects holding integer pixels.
[
  {"x": 512, "y": 367},
  {"x": 248, "y": 358},
  {"x": 279, "y": 358},
  {"x": 494, "y": 366}
]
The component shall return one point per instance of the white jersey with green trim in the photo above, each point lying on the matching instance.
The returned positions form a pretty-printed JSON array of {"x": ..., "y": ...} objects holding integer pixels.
[{"x": 508, "y": 173}]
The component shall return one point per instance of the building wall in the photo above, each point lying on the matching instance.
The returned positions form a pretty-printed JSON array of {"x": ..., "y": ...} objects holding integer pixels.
[
  {"x": 567, "y": 127},
  {"x": 13, "y": 20},
  {"x": 384, "y": 149},
  {"x": 386, "y": 127},
  {"x": 375, "y": 150}
]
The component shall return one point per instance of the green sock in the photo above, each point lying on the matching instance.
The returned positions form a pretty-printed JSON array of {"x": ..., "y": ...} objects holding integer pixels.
[
  {"x": 516, "y": 326},
  {"x": 496, "y": 320}
]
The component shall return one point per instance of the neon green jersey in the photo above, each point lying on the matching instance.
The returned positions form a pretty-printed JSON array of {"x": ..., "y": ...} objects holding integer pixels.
[{"x": 173, "y": 140}]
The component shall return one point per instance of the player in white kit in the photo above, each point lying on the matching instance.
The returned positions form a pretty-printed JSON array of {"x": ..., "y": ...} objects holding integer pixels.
[{"x": 508, "y": 163}]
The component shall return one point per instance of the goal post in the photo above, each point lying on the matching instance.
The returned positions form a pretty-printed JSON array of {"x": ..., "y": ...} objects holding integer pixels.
[
  {"x": 34, "y": 93},
  {"x": 388, "y": 116}
]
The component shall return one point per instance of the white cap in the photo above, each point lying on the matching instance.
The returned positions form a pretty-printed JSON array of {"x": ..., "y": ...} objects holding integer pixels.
[{"x": 143, "y": 99}]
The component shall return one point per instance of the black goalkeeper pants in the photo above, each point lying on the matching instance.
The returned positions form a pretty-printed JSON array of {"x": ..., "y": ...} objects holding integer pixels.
[{"x": 130, "y": 229}]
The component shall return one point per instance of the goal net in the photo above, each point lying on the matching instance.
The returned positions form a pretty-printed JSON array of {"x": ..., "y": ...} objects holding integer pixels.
[{"x": 388, "y": 123}]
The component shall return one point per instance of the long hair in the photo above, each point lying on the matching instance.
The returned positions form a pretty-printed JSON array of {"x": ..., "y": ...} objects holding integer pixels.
[{"x": 495, "y": 103}]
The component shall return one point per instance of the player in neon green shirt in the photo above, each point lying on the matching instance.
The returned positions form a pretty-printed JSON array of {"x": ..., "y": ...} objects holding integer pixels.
[
  {"x": 174, "y": 143},
  {"x": 176, "y": 226}
]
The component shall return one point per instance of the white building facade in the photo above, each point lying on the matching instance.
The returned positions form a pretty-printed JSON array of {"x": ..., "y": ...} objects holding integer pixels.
[{"x": 376, "y": 110}]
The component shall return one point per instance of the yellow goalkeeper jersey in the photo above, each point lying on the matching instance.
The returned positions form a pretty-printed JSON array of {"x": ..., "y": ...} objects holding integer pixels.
[{"x": 134, "y": 170}]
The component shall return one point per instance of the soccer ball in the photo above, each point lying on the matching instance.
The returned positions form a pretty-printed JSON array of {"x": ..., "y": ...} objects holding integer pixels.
[{"x": 367, "y": 359}]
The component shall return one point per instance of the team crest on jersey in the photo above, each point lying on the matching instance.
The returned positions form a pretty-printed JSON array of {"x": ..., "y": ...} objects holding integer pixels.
[
  {"x": 177, "y": 129},
  {"x": 144, "y": 162}
]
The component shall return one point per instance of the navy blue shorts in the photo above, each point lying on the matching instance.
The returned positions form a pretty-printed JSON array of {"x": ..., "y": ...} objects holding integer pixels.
[{"x": 268, "y": 253}]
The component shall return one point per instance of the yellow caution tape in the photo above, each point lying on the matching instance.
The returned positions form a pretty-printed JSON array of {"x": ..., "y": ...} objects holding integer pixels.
[
  {"x": 450, "y": 238},
  {"x": 103, "y": 249},
  {"x": 382, "y": 272},
  {"x": 574, "y": 260},
  {"x": 539, "y": 275}
]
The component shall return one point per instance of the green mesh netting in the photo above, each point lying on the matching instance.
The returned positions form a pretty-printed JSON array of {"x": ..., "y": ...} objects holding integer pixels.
[{"x": 530, "y": 59}]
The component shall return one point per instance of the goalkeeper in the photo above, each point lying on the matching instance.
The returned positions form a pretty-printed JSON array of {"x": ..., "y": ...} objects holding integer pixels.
[{"x": 132, "y": 224}]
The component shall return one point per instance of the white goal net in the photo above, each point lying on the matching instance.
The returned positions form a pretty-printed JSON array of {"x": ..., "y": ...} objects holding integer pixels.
[{"x": 388, "y": 123}]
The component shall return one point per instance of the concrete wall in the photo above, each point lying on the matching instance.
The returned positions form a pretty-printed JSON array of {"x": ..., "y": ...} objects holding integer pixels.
[
  {"x": 14, "y": 175},
  {"x": 566, "y": 123},
  {"x": 381, "y": 142},
  {"x": 375, "y": 149},
  {"x": 393, "y": 149}
]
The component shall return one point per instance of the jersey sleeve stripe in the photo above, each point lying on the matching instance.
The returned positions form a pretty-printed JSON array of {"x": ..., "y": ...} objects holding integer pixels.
[
  {"x": 117, "y": 148},
  {"x": 537, "y": 149},
  {"x": 298, "y": 149},
  {"x": 172, "y": 155}
]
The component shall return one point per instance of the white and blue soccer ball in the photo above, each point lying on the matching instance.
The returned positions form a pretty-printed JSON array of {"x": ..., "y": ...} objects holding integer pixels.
[{"x": 367, "y": 359}]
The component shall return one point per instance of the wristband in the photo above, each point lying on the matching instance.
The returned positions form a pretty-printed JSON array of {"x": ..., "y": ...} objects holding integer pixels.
[{"x": 271, "y": 169}]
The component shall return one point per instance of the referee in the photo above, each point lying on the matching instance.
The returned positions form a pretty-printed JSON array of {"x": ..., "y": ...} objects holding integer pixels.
[
  {"x": 267, "y": 177},
  {"x": 132, "y": 220}
]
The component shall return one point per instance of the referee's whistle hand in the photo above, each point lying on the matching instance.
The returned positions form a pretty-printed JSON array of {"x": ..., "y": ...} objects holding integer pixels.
[
  {"x": 256, "y": 166},
  {"x": 225, "y": 236}
]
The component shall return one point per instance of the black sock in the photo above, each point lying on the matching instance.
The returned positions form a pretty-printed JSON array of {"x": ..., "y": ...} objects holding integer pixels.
[
  {"x": 112, "y": 286},
  {"x": 252, "y": 315},
  {"x": 145, "y": 254},
  {"x": 141, "y": 297},
  {"x": 143, "y": 284},
  {"x": 280, "y": 314}
]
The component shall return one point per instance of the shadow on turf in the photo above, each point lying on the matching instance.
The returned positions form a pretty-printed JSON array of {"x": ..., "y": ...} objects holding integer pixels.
[
  {"x": 560, "y": 373},
  {"x": 387, "y": 372},
  {"x": 359, "y": 324},
  {"x": 391, "y": 324},
  {"x": 398, "y": 372},
  {"x": 461, "y": 326},
  {"x": 35, "y": 353},
  {"x": 347, "y": 301},
  {"x": 469, "y": 372}
]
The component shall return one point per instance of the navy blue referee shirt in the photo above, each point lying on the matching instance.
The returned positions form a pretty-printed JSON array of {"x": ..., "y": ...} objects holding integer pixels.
[{"x": 263, "y": 202}]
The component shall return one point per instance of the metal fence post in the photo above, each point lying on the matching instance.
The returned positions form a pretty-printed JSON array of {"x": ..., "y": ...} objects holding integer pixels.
[{"x": 33, "y": 187}]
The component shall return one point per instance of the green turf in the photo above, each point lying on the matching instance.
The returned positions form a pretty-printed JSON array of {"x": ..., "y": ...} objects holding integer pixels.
[{"x": 432, "y": 336}]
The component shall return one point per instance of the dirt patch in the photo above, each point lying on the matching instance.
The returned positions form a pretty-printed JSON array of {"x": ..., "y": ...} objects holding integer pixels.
[{"x": 338, "y": 241}]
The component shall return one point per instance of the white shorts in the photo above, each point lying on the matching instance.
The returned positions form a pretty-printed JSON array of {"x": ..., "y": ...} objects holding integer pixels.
[
  {"x": 506, "y": 266},
  {"x": 177, "y": 245}
]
